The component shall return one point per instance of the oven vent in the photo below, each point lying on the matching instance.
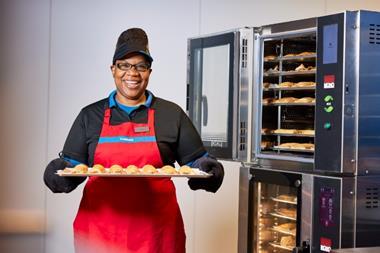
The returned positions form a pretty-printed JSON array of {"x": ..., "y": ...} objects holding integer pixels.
[
  {"x": 372, "y": 198},
  {"x": 244, "y": 53},
  {"x": 374, "y": 34},
  {"x": 243, "y": 131}
]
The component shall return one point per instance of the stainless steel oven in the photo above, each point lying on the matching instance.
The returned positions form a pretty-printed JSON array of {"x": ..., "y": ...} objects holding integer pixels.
[
  {"x": 298, "y": 103},
  {"x": 315, "y": 97},
  {"x": 282, "y": 211}
]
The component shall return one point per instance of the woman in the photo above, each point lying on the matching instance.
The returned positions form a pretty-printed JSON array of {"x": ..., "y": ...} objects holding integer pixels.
[{"x": 131, "y": 127}]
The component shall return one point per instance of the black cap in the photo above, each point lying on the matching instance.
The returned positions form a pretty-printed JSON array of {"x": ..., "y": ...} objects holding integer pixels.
[{"x": 133, "y": 40}]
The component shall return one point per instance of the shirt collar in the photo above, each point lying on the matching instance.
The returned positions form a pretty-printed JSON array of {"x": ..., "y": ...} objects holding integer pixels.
[{"x": 112, "y": 99}]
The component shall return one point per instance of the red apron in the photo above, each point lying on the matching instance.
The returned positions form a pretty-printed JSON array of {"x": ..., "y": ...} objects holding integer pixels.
[{"x": 122, "y": 215}]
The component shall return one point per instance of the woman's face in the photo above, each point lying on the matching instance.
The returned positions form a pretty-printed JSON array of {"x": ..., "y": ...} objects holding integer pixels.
[{"x": 131, "y": 81}]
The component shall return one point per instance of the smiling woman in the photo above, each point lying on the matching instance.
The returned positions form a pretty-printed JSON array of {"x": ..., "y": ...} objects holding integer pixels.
[
  {"x": 131, "y": 127},
  {"x": 131, "y": 78}
]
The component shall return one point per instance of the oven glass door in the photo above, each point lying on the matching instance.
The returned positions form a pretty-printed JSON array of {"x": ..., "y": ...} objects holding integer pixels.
[
  {"x": 210, "y": 91},
  {"x": 274, "y": 211}
]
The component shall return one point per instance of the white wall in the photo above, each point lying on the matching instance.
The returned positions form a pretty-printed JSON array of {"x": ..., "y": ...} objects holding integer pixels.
[{"x": 55, "y": 59}]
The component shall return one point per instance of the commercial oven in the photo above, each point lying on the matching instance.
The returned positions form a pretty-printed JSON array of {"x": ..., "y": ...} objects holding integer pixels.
[
  {"x": 298, "y": 103},
  {"x": 316, "y": 96},
  {"x": 315, "y": 107},
  {"x": 302, "y": 212}
]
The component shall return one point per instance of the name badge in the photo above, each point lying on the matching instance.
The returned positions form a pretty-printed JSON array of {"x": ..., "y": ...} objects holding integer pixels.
[{"x": 141, "y": 129}]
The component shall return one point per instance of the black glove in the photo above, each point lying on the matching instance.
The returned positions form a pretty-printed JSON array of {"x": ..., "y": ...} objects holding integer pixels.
[
  {"x": 209, "y": 165},
  {"x": 57, "y": 183}
]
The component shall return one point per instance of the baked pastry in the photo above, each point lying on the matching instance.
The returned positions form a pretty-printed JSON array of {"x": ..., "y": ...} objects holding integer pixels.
[
  {"x": 285, "y": 131},
  {"x": 287, "y": 197},
  {"x": 270, "y": 57},
  {"x": 167, "y": 169},
  {"x": 285, "y": 100},
  {"x": 286, "y": 84},
  {"x": 286, "y": 226},
  {"x": 309, "y": 146},
  {"x": 97, "y": 168},
  {"x": 267, "y": 101},
  {"x": 306, "y": 53},
  {"x": 115, "y": 169},
  {"x": 288, "y": 241},
  {"x": 301, "y": 68},
  {"x": 266, "y": 131},
  {"x": 149, "y": 169},
  {"x": 132, "y": 169},
  {"x": 266, "y": 85},
  {"x": 185, "y": 170},
  {"x": 266, "y": 144},
  {"x": 80, "y": 169},
  {"x": 289, "y": 55},
  {"x": 304, "y": 84},
  {"x": 289, "y": 212},
  {"x": 288, "y": 145},
  {"x": 306, "y": 131},
  {"x": 304, "y": 100}
]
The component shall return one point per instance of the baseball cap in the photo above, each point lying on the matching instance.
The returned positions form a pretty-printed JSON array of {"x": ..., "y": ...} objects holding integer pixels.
[{"x": 133, "y": 40}]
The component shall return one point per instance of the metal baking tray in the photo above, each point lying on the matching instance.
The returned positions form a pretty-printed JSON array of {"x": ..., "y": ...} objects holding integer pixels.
[{"x": 196, "y": 174}]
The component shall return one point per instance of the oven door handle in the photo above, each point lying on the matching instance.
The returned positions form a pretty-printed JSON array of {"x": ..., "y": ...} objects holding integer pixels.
[{"x": 205, "y": 110}]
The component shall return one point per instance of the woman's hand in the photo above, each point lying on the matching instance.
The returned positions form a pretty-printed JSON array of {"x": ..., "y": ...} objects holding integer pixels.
[
  {"x": 209, "y": 165},
  {"x": 59, "y": 184}
]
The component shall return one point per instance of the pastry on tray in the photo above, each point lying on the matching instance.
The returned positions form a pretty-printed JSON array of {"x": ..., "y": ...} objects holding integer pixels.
[
  {"x": 306, "y": 53},
  {"x": 80, "y": 169},
  {"x": 306, "y": 131},
  {"x": 266, "y": 144},
  {"x": 287, "y": 197},
  {"x": 167, "y": 169},
  {"x": 97, "y": 168},
  {"x": 286, "y": 84},
  {"x": 267, "y": 101},
  {"x": 304, "y": 84},
  {"x": 185, "y": 170},
  {"x": 270, "y": 57},
  {"x": 131, "y": 170},
  {"x": 115, "y": 169},
  {"x": 285, "y": 100},
  {"x": 285, "y": 131},
  {"x": 266, "y": 131},
  {"x": 288, "y": 241},
  {"x": 149, "y": 169},
  {"x": 286, "y": 226},
  {"x": 289, "y": 212},
  {"x": 306, "y": 100}
]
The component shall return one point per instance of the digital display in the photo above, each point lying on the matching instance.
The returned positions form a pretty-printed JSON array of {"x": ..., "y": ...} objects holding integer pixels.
[
  {"x": 326, "y": 207},
  {"x": 330, "y": 44}
]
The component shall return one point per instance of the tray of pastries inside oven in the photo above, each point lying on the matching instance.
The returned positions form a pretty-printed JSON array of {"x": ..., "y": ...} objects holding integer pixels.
[
  {"x": 286, "y": 228},
  {"x": 295, "y": 146},
  {"x": 304, "y": 85},
  {"x": 288, "y": 132},
  {"x": 132, "y": 171},
  {"x": 285, "y": 198},
  {"x": 286, "y": 242},
  {"x": 289, "y": 101},
  {"x": 289, "y": 213}
]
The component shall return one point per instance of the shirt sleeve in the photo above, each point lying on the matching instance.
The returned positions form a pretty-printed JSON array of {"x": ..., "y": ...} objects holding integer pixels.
[
  {"x": 190, "y": 146},
  {"x": 76, "y": 147}
]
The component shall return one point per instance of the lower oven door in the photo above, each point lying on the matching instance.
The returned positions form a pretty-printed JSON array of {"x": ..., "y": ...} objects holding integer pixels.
[{"x": 277, "y": 215}]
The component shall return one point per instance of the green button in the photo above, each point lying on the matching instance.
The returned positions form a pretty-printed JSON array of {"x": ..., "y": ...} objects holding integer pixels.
[
  {"x": 327, "y": 125},
  {"x": 328, "y": 98},
  {"x": 329, "y": 108}
]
